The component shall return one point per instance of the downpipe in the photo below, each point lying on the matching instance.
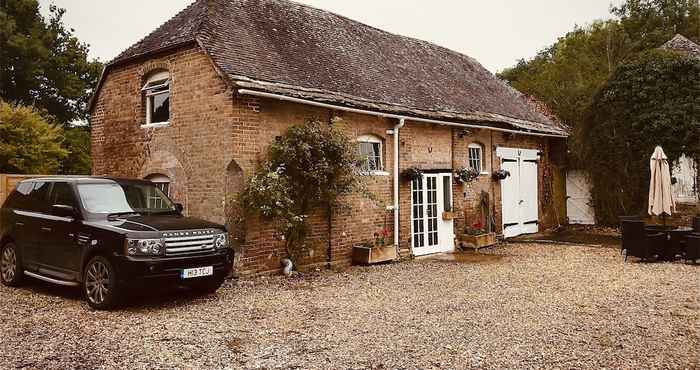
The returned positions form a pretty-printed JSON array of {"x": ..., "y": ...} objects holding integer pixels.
[{"x": 397, "y": 128}]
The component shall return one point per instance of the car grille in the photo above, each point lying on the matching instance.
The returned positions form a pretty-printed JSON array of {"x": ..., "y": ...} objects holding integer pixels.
[{"x": 189, "y": 242}]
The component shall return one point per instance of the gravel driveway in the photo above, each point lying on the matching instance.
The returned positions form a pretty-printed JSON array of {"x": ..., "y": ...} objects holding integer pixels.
[{"x": 521, "y": 306}]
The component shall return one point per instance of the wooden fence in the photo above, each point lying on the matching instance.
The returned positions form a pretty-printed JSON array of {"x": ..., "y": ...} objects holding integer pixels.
[{"x": 8, "y": 183}]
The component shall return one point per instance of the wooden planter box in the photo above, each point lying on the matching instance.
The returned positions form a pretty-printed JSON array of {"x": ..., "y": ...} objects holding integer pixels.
[
  {"x": 447, "y": 216},
  {"x": 367, "y": 256},
  {"x": 476, "y": 241}
]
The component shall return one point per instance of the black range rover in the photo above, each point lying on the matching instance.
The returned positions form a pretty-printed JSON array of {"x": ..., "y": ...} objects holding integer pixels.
[{"x": 107, "y": 236}]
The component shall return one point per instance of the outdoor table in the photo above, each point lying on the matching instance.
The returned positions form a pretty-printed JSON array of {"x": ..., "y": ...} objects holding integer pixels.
[{"x": 676, "y": 242}]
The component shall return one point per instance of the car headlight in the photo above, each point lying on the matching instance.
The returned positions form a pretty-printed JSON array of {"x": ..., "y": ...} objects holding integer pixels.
[
  {"x": 144, "y": 247},
  {"x": 221, "y": 241}
]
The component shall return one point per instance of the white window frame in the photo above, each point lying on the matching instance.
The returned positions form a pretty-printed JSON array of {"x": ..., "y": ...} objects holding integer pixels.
[
  {"x": 482, "y": 161},
  {"x": 158, "y": 180},
  {"x": 148, "y": 91},
  {"x": 372, "y": 139}
]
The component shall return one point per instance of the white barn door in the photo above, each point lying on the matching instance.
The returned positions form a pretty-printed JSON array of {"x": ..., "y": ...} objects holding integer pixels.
[
  {"x": 579, "y": 209},
  {"x": 519, "y": 200}
]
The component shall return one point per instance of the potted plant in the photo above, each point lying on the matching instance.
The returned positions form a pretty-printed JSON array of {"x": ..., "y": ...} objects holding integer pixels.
[
  {"x": 374, "y": 251},
  {"x": 466, "y": 175},
  {"x": 412, "y": 173},
  {"x": 501, "y": 175},
  {"x": 476, "y": 236}
]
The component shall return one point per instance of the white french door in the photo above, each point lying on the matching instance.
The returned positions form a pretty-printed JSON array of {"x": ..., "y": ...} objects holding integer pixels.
[
  {"x": 519, "y": 191},
  {"x": 431, "y": 196}
]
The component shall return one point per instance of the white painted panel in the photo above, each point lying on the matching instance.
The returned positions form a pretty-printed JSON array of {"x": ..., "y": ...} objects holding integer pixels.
[
  {"x": 685, "y": 172},
  {"x": 579, "y": 209},
  {"x": 528, "y": 196},
  {"x": 510, "y": 198}
]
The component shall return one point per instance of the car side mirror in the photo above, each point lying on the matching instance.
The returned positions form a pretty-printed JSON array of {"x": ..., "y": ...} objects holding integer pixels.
[
  {"x": 179, "y": 207},
  {"x": 63, "y": 210}
]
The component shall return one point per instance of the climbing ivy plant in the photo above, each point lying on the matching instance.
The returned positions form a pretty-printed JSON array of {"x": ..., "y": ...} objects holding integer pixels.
[
  {"x": 311, "y": 167},
  {"x": 653, "y": 99}
]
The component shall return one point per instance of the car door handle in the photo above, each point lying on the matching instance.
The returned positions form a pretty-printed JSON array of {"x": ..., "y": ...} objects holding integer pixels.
[
  {"x": 46, "y": 229},
  {"x": 19, "y": 223}
]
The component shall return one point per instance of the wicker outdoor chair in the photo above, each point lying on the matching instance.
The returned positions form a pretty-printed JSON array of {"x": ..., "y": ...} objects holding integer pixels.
[
  {"x": 692, "y": 247},
  {"x": 637, "y": 243}
]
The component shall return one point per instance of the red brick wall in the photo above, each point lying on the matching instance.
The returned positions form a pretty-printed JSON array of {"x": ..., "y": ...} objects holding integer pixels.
[{"x": 216, "y": 138}]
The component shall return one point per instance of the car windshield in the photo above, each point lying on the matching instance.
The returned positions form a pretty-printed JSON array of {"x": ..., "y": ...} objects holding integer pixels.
[{"x": 115, "y": 198}]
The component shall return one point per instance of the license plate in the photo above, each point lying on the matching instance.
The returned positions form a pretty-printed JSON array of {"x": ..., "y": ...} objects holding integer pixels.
[{"x": 197, "y": 272}]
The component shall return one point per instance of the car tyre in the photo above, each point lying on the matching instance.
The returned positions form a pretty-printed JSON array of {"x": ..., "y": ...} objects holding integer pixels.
[
  {"x": 11, "y": 272},
  {"x": 208, "y": 285},
  {"x": 100, "y": 286}
]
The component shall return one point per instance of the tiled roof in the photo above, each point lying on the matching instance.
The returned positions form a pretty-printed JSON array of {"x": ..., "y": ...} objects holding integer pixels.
[
  {"x": 681, "y": 44},
  {"x": 286, "y": 48}
]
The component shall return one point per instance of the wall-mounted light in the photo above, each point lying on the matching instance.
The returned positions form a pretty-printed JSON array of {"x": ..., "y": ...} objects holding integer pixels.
[{"x": 464, "y": 132}]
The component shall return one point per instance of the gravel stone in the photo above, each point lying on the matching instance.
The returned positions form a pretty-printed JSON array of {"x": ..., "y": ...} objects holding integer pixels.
[{"x": 515, "y": 306}]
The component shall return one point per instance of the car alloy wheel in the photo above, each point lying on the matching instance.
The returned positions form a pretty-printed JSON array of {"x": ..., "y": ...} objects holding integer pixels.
[
  {"x": 8, "y": 264},
  {"x": 97, "y": 282}
]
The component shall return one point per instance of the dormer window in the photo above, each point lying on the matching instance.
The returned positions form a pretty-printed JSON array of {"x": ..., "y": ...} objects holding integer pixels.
[{"x": 157, "y": 93}]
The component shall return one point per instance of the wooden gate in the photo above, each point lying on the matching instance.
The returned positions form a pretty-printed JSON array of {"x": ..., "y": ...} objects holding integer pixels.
[
  {"x": 8, "y": 183},
  {"x": 579, "y": 208}
]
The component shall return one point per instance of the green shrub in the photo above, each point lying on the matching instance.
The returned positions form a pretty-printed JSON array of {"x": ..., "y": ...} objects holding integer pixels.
[{"x": 28, "y": 143}]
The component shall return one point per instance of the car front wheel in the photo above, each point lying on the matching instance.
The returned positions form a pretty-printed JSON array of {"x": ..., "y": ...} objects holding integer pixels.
[
  {"x": 11, "y": 272},
  {"x": 100, "y": 284}
]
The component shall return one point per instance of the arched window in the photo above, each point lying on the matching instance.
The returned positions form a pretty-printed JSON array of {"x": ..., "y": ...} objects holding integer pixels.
[
  {"x": 157, "y": 94},
  {"x": 161, "y": 182},
  {"x": 476, "y": 157},
  {"x": 370, "y": 148}
]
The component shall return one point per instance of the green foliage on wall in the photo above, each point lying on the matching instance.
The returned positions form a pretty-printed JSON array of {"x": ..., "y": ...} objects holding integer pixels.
[
  {"x": 311, "y": 167},
  {"x": 653, "y": 99}
]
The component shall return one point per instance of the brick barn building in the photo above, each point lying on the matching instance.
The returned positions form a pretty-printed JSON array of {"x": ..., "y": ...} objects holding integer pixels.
[{"x": 194, "y": 105}]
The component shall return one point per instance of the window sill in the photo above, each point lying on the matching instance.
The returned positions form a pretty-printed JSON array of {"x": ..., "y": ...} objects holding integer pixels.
[
  {"x": 375, "y": 173},
  {"x": 156, "y": 125}
]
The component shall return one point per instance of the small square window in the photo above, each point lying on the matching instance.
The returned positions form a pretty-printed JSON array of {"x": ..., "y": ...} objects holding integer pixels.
[
  {"x": 476, "y": 157},
  {"x": 371, "y": 152}
]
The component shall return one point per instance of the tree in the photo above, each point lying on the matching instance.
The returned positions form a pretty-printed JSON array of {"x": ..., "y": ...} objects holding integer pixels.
[
  {"x": 650, "y": 23},
  {"x": 28, "y": 143},
  {"x": 311, "y": 167},
  {"x": 566, "y": 75},
  {"x": 42, "y": 64},
  {"x": 77, "y": 143},
  {"x": 653, "y": 99}
]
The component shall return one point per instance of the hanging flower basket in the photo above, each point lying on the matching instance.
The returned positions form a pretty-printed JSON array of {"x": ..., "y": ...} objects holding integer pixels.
[
  {"x": 412, "y": 173},
  {"x": 501, "y": 175},
  {"x": 466, "y": 175}
]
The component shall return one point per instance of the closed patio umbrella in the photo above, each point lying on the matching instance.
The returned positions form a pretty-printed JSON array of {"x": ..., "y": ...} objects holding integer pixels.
[{"x": 661, "y": 200}]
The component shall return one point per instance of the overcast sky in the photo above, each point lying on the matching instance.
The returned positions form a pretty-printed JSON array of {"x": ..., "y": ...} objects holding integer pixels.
[{"x": 495, "y": 32}]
